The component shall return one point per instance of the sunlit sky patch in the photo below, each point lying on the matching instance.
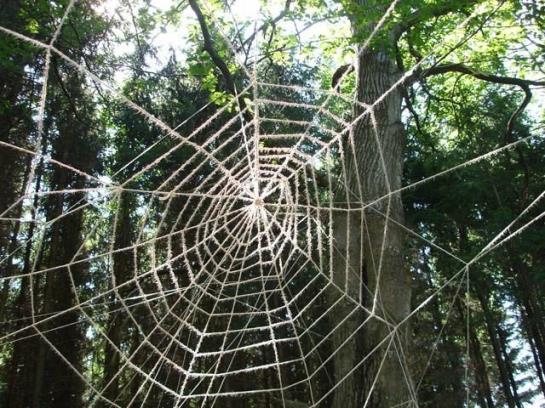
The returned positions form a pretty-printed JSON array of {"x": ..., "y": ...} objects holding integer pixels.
[{"x": 173, "y": 38}]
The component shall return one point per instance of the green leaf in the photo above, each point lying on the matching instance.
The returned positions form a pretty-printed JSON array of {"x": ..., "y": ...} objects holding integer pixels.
[{"x": 33, "y": 26}]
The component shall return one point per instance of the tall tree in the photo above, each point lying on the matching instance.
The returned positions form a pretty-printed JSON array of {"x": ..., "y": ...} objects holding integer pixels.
[{"x": 379, "y": 141}]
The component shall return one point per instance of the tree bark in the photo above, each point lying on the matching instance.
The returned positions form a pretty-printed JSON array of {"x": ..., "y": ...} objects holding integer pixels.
[
  {"x": 533, "y": 348},
  {"x": 122, "y": 269},
  {"x": 528, "y": 300},
  {"x": 451, "y": 393},
  {"x": 503, "y": 370},
  {"x": 502, "y": 337},
  {"x": 377, "y": 157},
  {"x": 57, "y": 385},
  {"x": 22, "y": 362},
  {"x": 346, "y": 340},
  {"x": 59, "y": 364},
  {"x": 379, "y": 151},
  {"x": 484, "y": 392},
  {"x": 12, "y": 113},
  {"x": 7, "y": 269}
]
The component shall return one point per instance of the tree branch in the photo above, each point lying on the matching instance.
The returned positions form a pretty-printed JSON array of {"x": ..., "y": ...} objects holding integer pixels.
[
  {"x": 445, "y": 7},
  {"x": 523, "y": 84},
  {"x": 464, "y": 69},
  {"x": 67, "y": 95},
  {"x": 280, "y": 16},
  {"x": 209, "y": 48}
]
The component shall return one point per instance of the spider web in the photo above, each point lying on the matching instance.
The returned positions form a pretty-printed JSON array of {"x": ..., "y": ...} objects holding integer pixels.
[{"x": 250, "y": 219}]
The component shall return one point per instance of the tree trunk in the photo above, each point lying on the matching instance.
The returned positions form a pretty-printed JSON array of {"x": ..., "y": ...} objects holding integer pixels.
[
  {"x": 374, "y": 166},
  {"x": 122, "y": 268},
  {"x": 8, "y": 266},
  {"x": 528, "y": 300},
  {"x": 453, "y": 390},
  {"x": 22, "y": 362},
  {"x": 347, "y": 280},
  {"x": 502, "y": 337},
  {"x": 484, "y": 392},
  {"x": 496, "y": 346},
  {"x": 527, "y": 295},
  {"x": 58, "y": 380},
  {"x": 531, "y": 341},
  {"x": 57, "y": 385},
  {"x": 12, "y": 114},
  {"x": 379, "y": 151}
]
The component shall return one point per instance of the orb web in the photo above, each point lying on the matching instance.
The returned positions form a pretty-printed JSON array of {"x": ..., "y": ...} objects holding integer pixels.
[{"x": 232, "y": 261}]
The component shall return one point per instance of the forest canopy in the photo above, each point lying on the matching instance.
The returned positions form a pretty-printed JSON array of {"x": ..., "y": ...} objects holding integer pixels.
[{"x": 282, "y": 203}]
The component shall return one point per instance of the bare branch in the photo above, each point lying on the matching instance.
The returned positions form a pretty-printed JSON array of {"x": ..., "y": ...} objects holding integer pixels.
[
  {"x": 464, "y": 69},
  {"x": 273, "y": 22},
  {"x": 523, "y": 84}
]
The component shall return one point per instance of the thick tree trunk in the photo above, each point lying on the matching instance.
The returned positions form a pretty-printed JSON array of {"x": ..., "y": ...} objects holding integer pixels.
[
  {"x": 375, "y": 170},
  {"x": 346, "y": 339},
  {"x": 379, "y": 149}
]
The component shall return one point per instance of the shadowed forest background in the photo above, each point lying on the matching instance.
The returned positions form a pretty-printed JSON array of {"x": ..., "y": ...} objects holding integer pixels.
[{"x": 287, "y": 203}]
